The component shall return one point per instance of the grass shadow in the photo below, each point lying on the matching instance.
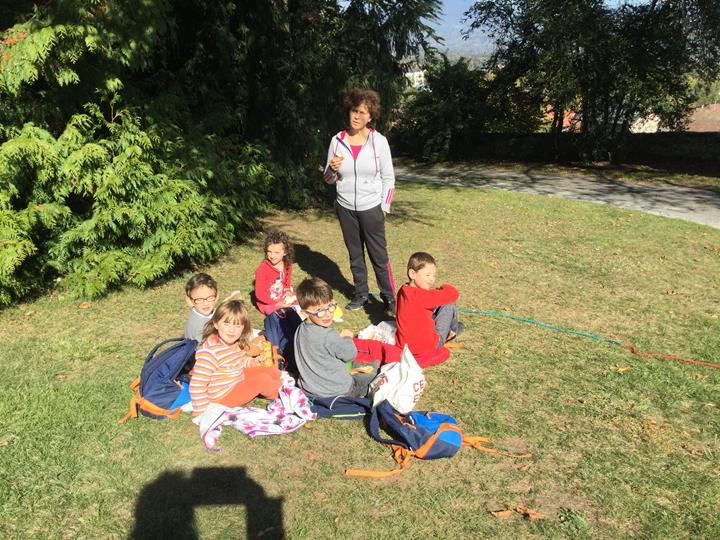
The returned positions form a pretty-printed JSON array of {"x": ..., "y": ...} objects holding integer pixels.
[
  {"x": 596, "y": 184},
  {"x": 375, "y": 310},
  {"x": 407, "y": 212},
  {"x": 320, "y": 265},
  {"x": 606, "y": 186},
  {"x": 165, "y": 507}
]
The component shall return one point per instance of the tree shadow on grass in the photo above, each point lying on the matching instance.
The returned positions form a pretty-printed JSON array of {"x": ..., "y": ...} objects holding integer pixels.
[
  {"x": 408, "y": 212},
  {"x": 165, "y": 508},
  {"x": 455, "y": 181},
  {"x": 594, "y": 184},
  {"x": 320, "y": 265},
  {"x": 605, "y": 187}
]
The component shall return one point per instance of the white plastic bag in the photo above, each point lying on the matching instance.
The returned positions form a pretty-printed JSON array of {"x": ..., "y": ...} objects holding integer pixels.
[
  {"x": 385, "y": 332},
  {"x": 401, "y": 383}
]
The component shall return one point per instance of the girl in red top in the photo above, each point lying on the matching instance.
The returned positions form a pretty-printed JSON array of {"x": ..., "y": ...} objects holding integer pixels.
[
  {"x": 273, "y": 278},
  {"x": 426, "y": 317}
]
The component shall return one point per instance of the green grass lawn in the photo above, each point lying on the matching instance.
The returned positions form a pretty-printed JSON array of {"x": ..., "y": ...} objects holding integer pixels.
[{"x": 622, "y": 446}]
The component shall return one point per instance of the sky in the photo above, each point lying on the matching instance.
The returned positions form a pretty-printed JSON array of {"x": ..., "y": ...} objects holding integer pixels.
[{"x": 450, "y": 27}]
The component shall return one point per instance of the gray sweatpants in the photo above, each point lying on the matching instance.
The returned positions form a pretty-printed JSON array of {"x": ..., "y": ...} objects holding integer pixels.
[{"x": 446, "y": 320}]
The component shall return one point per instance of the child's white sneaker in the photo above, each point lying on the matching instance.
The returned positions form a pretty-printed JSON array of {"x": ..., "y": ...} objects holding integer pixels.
[{"x": 187, "y": 407}]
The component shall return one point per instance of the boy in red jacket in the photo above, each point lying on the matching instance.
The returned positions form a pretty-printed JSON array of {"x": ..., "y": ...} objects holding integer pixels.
[{"x": 426, "y": 317}]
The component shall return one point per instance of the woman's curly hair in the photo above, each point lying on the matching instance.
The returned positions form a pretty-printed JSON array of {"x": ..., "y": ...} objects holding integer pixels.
[{"x": 356, "y": 96}]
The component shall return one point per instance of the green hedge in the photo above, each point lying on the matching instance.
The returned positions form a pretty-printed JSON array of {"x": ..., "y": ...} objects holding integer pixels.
[{"x": 108, "y": 203}]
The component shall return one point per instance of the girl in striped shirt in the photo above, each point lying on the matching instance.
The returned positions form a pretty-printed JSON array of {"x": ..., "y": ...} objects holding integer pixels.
[{"x": 227, "y": 368}]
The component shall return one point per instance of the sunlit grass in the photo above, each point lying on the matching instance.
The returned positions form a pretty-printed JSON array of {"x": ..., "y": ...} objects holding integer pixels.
[{"x": 622, "y": 446}]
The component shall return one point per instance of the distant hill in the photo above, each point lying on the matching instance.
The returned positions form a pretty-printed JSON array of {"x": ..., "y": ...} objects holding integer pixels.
[
  {"x": 476, "y": 48},
  {"x": 476, "y": 44}
]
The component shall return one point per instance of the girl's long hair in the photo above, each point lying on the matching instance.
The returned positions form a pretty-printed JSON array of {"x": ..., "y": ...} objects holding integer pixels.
[{"x": 232, "y": 310}]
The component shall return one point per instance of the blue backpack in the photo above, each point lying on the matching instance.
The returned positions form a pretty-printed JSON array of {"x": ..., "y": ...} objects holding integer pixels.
[
  {"x": 424, "y": 435},
  {"x": 162, "y": 387},
  {"x": 280, "y": 327}
]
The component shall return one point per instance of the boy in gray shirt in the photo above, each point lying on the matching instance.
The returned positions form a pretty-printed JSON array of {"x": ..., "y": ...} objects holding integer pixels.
[
  {"x": 321, "y": 353},
  {"x": 201, "y": 294}
]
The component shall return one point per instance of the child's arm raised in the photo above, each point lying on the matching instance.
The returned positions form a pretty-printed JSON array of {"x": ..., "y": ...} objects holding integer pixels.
[{"x": 445, "y": 294}]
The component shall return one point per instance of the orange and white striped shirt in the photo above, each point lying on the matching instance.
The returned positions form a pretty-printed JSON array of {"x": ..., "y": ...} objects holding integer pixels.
[{"x": 218, "y": 367}]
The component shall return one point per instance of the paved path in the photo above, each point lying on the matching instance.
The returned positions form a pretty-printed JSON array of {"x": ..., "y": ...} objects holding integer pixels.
[{"x": 692, "y": 204}]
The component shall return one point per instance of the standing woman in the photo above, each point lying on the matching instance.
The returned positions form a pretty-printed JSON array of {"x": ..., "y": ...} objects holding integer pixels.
[{"x": 360, "y": 165}]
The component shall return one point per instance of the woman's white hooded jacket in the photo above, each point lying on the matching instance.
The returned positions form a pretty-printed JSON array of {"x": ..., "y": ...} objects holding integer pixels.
[{"x": 369, "y": 180}]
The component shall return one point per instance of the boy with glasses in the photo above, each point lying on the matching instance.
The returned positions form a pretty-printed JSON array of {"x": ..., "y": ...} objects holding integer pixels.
[
  {"x": 201, "y": 294},
  {"x": 322, "y": 354}
]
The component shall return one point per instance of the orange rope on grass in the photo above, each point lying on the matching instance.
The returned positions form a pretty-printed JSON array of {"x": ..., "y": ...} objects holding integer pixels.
[{"x": 634, "y": 350}]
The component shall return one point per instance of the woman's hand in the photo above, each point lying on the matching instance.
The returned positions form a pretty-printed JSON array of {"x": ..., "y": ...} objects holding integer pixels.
[{"x": 335, "y": 163}]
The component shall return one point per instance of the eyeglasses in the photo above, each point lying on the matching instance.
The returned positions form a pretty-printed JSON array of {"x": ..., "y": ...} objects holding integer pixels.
[
  {"x": 323, "y": 312},
  {"x": 227, "y": 324},
  {"x": 207, "y": 300}
]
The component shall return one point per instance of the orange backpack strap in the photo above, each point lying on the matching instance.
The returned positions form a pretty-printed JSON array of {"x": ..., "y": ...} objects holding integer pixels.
[
  {"x": 147, "y": 406},
  {"x": 401, "y": 455},
  {"x": 137, "y": 401},
  {"x": 132, "y": 412},
  {"x": 478, "y": 443}
]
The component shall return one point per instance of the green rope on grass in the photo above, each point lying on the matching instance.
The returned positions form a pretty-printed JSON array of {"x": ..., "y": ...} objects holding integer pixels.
[
  {"x": 532, "y": 321},
  {"x": 541, "y": 325}
]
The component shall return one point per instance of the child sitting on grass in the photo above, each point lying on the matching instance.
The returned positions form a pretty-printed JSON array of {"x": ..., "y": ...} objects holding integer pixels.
[
  {"x": 426, "y": 317},
  {"x": 227, "y": 368},
  {"x": 322, "y": 354},
  {"x": 200, "y": 294},
  {"x": 273, "y": 278}
]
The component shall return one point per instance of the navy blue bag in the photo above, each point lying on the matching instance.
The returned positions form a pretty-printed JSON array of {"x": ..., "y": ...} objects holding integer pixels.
[
  {"x": 165, "y": 375},
  {"x": 280, "y": 327},
  {"x": 341, "y": 407}
]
